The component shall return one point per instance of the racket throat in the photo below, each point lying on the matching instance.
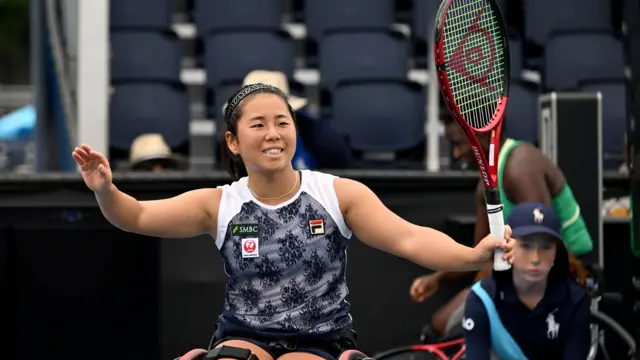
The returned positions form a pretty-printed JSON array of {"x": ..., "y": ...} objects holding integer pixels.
[{"x": 492, "y": 196}]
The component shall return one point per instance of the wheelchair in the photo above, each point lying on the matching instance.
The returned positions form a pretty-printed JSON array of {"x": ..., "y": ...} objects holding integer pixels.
[
  {"x": 232, "y": 352},
  {"x": 451, "y": 346}
]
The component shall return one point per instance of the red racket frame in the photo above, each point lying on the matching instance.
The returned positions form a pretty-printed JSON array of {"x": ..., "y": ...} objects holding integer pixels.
[
  {"x": 488, "y": 169},
  {"x": 435, "y": 349}
]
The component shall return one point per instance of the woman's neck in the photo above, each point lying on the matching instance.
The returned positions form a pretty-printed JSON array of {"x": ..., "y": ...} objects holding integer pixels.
[{"x": 276, "y": 188}]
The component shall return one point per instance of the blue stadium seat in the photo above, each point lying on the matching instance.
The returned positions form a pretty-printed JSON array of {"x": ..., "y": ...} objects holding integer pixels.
[
  {"x": 140, "y": 14},
  {"x": 380, "y": 116},
  {"x": 148, "y": 108},
  {"x": 572, "y": 57},
  {"x": 145, "y": 56},
  {"x": 422, "y": 28},
  {"x": 614, "y": 119},
  {"x": 229, "y": 56},
  {"x": 629, "y": 10},
  {"x": 423, "y": 22},
  {"x": 362, "y": 54},
  {"x": 521, "y": 115},
  {"x": 323, "y": 15},
  {"x": 631, "y": 21},
  {"x": 542, "y": 17},
  {"x": 211, "y": 16},
  {"x": 221, "y": 94}
]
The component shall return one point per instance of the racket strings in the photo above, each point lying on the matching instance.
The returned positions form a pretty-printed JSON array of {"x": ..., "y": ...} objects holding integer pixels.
[{"x": 474, "y": 51}]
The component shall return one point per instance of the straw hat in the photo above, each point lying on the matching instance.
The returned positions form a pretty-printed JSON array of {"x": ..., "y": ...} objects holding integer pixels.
[
  {"x": 148, "y": 147},
  {"x": 276, "y": 79}
]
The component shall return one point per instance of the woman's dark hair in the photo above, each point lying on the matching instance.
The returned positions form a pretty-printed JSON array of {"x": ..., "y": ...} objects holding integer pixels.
[{"x": 232, "y": 113}]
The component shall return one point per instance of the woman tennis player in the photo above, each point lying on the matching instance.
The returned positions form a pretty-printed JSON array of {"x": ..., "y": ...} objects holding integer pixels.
[
  {"x": 283, "y": 234},
  {"x": 535, "y": 310}
]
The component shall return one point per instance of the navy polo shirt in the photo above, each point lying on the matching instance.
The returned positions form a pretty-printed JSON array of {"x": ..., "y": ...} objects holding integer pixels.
[{"x": 557, "y": 328}]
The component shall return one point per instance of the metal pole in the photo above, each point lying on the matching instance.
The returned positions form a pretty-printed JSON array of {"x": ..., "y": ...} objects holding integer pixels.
[
  {"x": 433, "y": 110},
  {"x": 39, "y": 86},
  {"x": 93, "y": 74}
]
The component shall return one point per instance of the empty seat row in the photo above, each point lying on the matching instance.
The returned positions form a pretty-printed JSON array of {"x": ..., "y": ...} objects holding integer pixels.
[
  {"x": 145, "y": 55},
  {"x": 348, "y": 54},
  {"x": 321, "y": 16},
  {"x": 229, "y": 56},
  {"x": 139, "y": 108},
  {"x": 373, "y": 115},
  {"x": 324, "y": 17},
  {"x": 357, "y": 50},
  {"x": 544, "y": 17},
  {"x": 572, "y": 57}
]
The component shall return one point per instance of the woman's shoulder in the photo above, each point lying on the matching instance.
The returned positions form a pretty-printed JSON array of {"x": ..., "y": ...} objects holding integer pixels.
[{"x": 234, "y": 185}]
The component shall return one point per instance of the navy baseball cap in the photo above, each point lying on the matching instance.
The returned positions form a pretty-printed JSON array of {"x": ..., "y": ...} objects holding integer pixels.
[{"x": 534, "y": 218}]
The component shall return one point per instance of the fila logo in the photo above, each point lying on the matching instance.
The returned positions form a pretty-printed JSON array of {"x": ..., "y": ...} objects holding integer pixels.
[{"x": 316, "y": 227}]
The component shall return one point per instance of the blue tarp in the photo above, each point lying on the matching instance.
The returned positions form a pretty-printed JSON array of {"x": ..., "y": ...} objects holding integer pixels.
[{"x": 18, "y": 125}]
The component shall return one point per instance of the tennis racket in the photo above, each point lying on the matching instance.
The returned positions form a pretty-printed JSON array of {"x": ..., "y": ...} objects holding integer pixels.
[{"x": 472, "y": 67}]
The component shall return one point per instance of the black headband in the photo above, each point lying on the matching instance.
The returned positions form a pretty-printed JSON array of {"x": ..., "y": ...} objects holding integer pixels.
[{"x": 246, "y": 91}]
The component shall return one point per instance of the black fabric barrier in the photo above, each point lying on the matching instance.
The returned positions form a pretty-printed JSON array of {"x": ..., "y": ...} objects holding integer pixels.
[{"x": 72, "y": 285}]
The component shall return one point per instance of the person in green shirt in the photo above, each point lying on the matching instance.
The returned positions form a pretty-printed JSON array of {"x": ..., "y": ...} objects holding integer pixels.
[{"x": 525, "y": 174}]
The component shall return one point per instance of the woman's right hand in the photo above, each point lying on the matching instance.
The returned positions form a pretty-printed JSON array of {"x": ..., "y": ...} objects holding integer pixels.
[
  {"x": 94, "y": 166},
  {"x": 424, "y": 287}
]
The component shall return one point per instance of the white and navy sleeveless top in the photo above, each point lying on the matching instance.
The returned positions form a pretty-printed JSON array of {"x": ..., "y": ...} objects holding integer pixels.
[{"x": 286, "y": 263}]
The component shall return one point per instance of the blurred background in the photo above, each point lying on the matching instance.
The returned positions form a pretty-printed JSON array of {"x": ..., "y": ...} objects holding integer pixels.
[
  {"x": 145, "y": 81},
  {"x": 106, "y": 73}
]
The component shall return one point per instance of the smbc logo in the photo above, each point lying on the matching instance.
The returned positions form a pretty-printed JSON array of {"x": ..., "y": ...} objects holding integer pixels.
[{"x": 245, "y": 229}]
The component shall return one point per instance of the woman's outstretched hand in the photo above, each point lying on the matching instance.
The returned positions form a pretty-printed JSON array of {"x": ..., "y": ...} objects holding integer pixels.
[
  {"x": 95, "y": 168},
  {"x": 486, "y": 247}
]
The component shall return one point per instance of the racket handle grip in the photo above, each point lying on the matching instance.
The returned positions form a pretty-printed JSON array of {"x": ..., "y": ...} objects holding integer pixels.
[{"x": 496, "y": 227}]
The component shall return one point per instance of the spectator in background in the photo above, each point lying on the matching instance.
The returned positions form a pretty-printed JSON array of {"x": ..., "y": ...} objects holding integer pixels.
[
  {"x": 525, "y": 175},
  {"x": 319, "y": 146},
  {"x": 535, "y": 310},
  {"x": 150, "y": 152}
]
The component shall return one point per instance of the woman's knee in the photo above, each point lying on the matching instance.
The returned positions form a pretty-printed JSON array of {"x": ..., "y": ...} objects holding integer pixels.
[
  {"x": 300, "y": 356},
  {"x": 256, "y": 350}
]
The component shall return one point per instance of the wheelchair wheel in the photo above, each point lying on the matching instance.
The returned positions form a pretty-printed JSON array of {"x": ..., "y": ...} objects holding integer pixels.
[
  {"x": 446, "y": 350},
  {"x": 606, "y": 328}
]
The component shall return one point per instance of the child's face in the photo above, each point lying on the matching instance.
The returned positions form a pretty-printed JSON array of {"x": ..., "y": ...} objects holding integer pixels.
[{"x": 534, "y": 256}]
